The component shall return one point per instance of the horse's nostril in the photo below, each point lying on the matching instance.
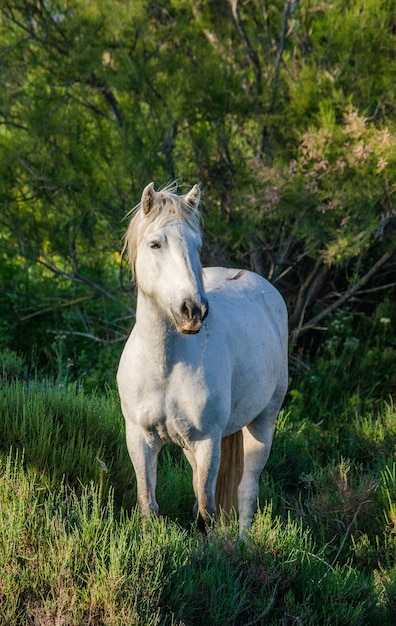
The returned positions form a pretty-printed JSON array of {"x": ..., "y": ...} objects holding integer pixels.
[
  {"x": 187, "y": 309},
  {"x": 190, "y": 310}
]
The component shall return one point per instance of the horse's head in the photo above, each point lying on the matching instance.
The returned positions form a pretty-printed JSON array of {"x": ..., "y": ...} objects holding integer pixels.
[{"x": 163, "y": 242}]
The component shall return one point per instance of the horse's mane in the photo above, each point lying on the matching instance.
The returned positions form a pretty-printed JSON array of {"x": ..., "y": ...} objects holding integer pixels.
[{"x": 168, "y": 206}]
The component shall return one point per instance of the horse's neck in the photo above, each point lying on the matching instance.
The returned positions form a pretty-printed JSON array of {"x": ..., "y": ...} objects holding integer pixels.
[{"x": 155, "y": 330}]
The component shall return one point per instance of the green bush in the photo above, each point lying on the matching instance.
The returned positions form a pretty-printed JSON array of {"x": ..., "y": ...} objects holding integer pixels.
[{"x": 353, "y": 371}]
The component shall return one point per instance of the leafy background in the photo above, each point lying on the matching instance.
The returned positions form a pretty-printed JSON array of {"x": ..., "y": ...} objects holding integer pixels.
[{"x": 284, "y": 112}]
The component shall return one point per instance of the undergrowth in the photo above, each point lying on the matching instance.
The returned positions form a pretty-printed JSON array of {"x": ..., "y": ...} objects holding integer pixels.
[
  {"x": 74, "y": 551},
  {"x": 73, "y": 559}
]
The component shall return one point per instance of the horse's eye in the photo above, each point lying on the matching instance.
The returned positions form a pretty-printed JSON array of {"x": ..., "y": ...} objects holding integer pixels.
[{"x": 155, "y": 245}]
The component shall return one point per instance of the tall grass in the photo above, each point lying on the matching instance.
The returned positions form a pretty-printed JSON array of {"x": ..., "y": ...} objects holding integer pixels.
[
  {"x": 65, "y": 559},
  {"x": 74, "y": 551},
  {"x": 66, "y": 434},
  {"x": 71, "y": 559}
]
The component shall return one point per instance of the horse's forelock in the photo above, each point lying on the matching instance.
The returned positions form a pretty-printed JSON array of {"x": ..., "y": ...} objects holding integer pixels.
[{"x": 169, "y": 206}]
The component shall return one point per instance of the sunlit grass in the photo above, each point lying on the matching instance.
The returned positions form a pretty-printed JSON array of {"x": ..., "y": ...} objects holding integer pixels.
[{"x": 74, "y": 550}]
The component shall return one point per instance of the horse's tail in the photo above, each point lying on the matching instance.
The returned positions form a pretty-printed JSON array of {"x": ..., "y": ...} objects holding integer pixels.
[{"x": 230, "y": 473}]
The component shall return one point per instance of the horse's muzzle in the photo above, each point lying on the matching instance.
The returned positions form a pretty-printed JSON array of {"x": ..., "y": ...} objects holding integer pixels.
[{"x": 191, "y": 317}]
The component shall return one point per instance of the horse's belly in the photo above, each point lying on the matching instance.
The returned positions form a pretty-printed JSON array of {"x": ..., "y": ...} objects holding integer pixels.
[
  {"x": 257, "y": 364},
  {"x": 245, "y": 407}
]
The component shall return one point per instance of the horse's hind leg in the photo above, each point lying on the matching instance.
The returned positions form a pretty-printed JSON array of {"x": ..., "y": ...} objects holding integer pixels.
[
  {"x": 256, "y": 450},
  {"x": 144, "y": 456},
  {"x": 257, "y": 441}
]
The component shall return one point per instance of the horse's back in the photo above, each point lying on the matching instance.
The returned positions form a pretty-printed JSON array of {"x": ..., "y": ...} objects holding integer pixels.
[
  {"x": 246, "y": 296},
  {"x": 234, "y": 282}
]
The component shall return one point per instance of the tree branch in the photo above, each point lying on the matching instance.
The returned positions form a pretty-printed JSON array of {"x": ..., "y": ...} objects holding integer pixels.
[
  {"x": 55, "y": 307},
  {"x": 79, "y": 278},
  {"x": 109, "y": 96},
  {"x": 345, "y": 296},
  {"x": 289, "y": 6},
  {"x": 76, "y": 333},
  {"x": 306, "y": 292},
  {"x": 252, "y": 54}
]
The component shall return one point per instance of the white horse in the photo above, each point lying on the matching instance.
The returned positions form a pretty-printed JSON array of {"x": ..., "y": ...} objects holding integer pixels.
[{"x": 205, "y": 366}]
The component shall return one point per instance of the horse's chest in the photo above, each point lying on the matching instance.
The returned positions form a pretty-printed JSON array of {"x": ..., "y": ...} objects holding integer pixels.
[{"x": 173, "y": 410}]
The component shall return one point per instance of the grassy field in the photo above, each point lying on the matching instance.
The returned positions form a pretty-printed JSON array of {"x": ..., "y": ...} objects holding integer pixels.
[{"x": 74, "y": 551}]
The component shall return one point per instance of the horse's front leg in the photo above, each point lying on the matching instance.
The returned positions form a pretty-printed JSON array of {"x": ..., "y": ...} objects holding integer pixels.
[
  {"x": 143, "y": 449},
  {"x": 207, "y": 461},
  {"x": 191, "y": 459}
]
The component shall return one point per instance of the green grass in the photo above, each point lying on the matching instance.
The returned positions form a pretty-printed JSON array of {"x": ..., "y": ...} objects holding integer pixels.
[
  {"x": 66, "y": 434},
  {"x": 71, "y": 559},
  {"x": 74, "y": 551}
]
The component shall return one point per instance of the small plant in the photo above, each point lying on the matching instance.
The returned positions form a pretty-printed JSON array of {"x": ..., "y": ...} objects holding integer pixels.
[
  {"x": 63, "y": 364},
  {"x": 12, "y": 366}
]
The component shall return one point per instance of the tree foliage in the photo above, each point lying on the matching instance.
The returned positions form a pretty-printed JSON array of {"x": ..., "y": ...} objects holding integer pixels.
[{"x": 283, "y": 111}]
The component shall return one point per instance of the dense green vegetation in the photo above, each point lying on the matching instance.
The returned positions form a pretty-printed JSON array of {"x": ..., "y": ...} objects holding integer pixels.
[{"x": 285, "y": 113}]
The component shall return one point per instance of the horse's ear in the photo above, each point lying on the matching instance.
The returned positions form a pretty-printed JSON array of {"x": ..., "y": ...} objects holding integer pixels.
[
  {"x": 193, "y": 197},
  {"x": 148, "y": 198}
]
